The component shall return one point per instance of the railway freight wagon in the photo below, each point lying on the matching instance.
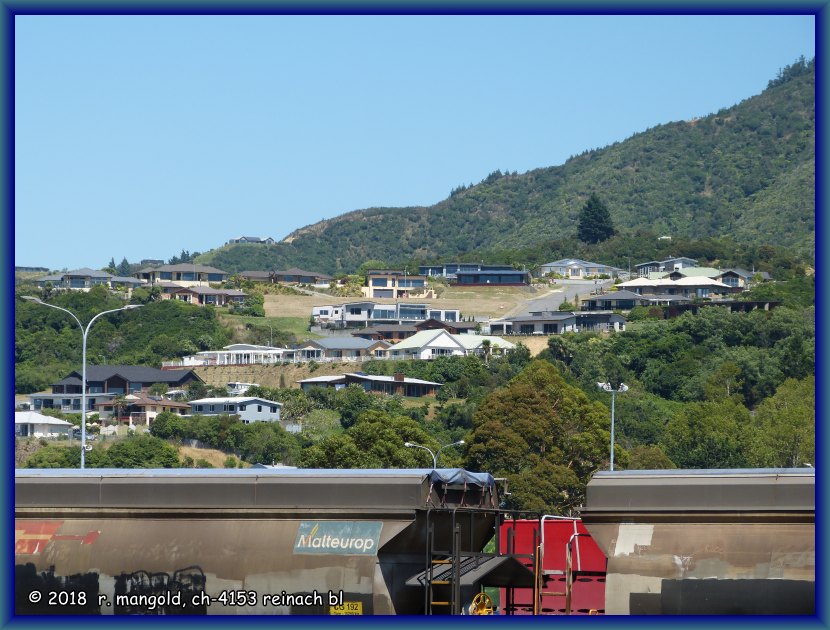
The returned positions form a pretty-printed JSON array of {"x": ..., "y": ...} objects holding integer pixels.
[
  {"x": 256, "y": 541},
  {"x": 706, "y": 541},
  {"x": 568, "y": 565}
]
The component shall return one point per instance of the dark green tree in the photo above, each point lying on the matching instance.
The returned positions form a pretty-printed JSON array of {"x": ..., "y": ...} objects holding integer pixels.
[{"x": 595, "y": 223}]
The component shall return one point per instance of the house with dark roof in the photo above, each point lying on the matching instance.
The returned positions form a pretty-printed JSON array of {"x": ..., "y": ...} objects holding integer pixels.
[
  {"x": 451, "y": 270},
  {"x": 626, "y": 300},
  {"x": 204, "y": 295},
  {"x": 741, "y": 278},
  {"x": 183, "y": 274},
  {"x": 392, "y": 385},
  {"x": 558, "y": 322},
  {"x": 105, "y": 382},
  {"x": 252, "y": 239},
  {"x": 502, "y": 278},
  {"x": 667, "y": 265}
]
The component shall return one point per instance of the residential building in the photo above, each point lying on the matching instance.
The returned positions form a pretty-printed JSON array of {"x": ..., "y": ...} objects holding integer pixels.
[
  {"x": 347, "y": 348},
  {"x": 301, "y": 276},
  {"x": 33, "y": 424},
  {"x": 105, "y": 382},
  {"x": 513, "y": 277},
  {"x": 85, "y": 279},
  {"x": 183, "y": 274},
  {"x": 577, "y": 269},
  {"x": 367, "y": 313},
  {"x": 394, "y": 284},
  {"x": 393, "y": 385},
  {"x": 139, "y": 409},
  {"x": 399, "y": 332},
  {"x": 450, "y": 270},
  {"x": 235, "y": 354},
  {"x": 151, "y": 262},
  {"x": 669, "y": 264},
  {"x": 692, "y": 287},
  {"x": 430, "y": 344},
  {"x": 204, "y": 296},
  {"x": 558, "y": 322},
  {"x": 248, "y": 408},
  {"x": 252, "y": 239},
  {"x": 235, "y": 388},
  {"x": 624, "y": 300},
  {"x": 741, "y": 278}
]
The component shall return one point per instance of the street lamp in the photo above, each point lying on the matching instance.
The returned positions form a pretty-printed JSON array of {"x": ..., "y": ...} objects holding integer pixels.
[
  {"x": 608, "y": 388},
  {"x": 429, "y": 450},
  {"x": 84, "y": 332}
]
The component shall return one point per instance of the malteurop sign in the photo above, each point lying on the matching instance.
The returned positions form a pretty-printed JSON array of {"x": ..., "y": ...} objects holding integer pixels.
[{"x": 358, "y": 538}]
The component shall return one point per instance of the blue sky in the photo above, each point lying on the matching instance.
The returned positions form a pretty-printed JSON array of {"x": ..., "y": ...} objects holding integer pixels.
[{"x": 140, "y": 136}]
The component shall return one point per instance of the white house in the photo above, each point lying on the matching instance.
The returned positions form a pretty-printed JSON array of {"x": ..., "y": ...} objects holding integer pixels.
[
  {"x": 577, "y": 268},
  {"x": 248, "y": 408},
  {"x": 429, "y": 344},
  {"x": 33, "y": 424}
]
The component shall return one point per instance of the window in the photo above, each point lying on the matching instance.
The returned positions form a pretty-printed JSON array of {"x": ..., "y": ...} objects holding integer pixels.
[
  {"x": 259, "y": 408},
  {"x": 166, "y": 275},
  {"x": 242, "y": 407},
  {"x": 354, "y": 310},
  {"x": 379, "y": 282},
  {"x": 324, "y": 312},
  {"x": 214, "y": 277},
  {"x": 230, "y": 407},
  {"x": 273, "y": 409},
  {"x": 211, "y": 407},
  {"x": 527, "y": 329},
  {"x": 197, "y": 407}
]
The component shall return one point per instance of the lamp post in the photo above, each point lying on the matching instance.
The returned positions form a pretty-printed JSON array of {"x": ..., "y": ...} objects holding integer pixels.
[
  {"x": 608, "y": 388},
  {"x": 84, "y": 333},
  {"x": 429, "y": 450}
]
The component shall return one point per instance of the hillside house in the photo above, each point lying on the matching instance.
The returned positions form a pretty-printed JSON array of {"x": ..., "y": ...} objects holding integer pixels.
[
  {"x": 248, "y": 408},
  {"x": 398, "y": 384},
  {"x": 577, "y": 269},
  {"x": 105, "y": 382},
  {"x": 33, "y": 424},
  {"x": 368, "y": 313},
  {"x": 692, "y": 287},
  {"x": 558, "y": 322},
  {"x": 741, "y": 278},
  {"x": 451, "y": 270},
  {"x": 346, "y": 348},
  {"x": 430, "y": 344},
  {"x": 669, "y": 264},
  {"x": 139, "y": 410},
  {"x": 502, "y": 278},
  {"x": 185, "y": 274},
  {"x": 393, "y": 284},
  {"x": 235, "y": 354},
  {"x": 252, "y": 239},
  {"x": 85, "y": 279}
]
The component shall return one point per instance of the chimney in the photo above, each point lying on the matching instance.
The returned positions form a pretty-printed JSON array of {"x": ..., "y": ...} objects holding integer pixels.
[{"x": 399, "y": 377}]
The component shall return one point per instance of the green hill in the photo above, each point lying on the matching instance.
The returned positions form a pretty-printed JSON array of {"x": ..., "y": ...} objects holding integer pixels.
[{"x": 745, "y": 173}]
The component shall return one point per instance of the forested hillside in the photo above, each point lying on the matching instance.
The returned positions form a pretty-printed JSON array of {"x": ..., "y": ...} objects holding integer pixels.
[{"x": 746, "y": 172}]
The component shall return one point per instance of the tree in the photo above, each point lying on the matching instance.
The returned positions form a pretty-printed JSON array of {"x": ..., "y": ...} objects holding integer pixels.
[
  {"x": 708, "y": 435},
  {"x": 123, "y": 268},
  {"x": 595, "y": 223},
  {"x": 784, "y": 427},
  {"x": 541, "y": 431}
]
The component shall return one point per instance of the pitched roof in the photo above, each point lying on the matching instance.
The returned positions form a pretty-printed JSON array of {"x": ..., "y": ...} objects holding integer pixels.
[
  {"x": 133, "y": 373},
  {"x": 615, "y": 295},
  {"x": 421, "y": 339},
  {"x": 344, "y": 343},
  {"x": 33, "y": 417},
  {"x": 233, "y": 400},
  {"x": 183, "y": 267},
  {"x": 294, "y": 271},
  {"x": 472, "y": 342},
  {"x": 567, "y": 262}
]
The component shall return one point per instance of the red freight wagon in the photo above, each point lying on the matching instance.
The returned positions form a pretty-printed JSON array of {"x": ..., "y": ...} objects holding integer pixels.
[{"x": 588, "y": 563}]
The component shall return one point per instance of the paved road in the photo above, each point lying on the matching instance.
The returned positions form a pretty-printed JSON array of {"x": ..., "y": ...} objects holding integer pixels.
[{"x": 565, "y": 289}]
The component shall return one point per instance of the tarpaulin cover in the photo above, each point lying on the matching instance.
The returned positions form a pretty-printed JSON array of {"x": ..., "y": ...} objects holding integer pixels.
[{"x": 459, "y": 476}]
